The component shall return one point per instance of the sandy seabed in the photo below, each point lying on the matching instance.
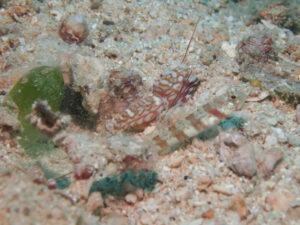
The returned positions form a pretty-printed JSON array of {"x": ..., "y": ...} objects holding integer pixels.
[{"x": 245, "y": 176}]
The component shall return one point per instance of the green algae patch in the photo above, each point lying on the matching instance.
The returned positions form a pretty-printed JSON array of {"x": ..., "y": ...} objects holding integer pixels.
[
  {"x": 119, "y": 185},
  {"x": 40, "y": 84}
]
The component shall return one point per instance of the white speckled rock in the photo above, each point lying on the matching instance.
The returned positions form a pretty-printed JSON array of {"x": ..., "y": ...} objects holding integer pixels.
[{"x": 243, "y": 161}]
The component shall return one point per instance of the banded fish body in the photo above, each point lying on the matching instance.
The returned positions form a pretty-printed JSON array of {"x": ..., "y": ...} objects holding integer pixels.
[{"x": 172, "y": 137}]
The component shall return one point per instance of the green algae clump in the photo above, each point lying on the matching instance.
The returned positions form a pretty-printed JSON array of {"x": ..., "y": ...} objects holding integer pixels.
[
  {"x": 118, "y": 185},
  {"x": 40, "y": 84}
]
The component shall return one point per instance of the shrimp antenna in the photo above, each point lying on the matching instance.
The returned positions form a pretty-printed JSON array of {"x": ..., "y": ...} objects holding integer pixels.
[{"x": 189, "y": 44}]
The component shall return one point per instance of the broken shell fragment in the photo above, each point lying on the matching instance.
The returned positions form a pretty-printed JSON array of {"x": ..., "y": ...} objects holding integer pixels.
[{"x": 74, "y": 29}]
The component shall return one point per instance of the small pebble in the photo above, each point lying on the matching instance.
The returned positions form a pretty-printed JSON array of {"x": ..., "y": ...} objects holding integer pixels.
[
  {"x": 209, "y": 214},
  {"x": 139, "y": 193},
  {"x": 74, "y": 29},
  {"x": 224, "y": 189},
  {"x": 204, "y": 183},
  {"x": 238, "y": 205},
  {"x": 176, "y": 161},
  {"x": 131, "y": 198}
]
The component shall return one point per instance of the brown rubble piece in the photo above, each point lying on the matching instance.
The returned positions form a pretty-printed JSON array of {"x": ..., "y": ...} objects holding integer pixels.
[
  {"x": 238, "y": 204},
  {"x": 208, "y": 214}
]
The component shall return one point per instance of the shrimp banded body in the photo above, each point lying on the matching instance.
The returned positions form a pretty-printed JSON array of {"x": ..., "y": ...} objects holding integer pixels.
[
  {"x": 170, "y": 138},
  {"x": 175, "y": 86}
]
